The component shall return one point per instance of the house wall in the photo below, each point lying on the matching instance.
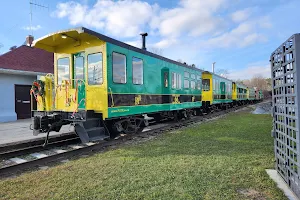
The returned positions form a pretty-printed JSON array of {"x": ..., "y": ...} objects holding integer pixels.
[{"x": 7, "y": 94}]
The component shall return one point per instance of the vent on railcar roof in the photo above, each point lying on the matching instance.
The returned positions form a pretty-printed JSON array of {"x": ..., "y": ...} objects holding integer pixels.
[{"x": 144, "y": 40}]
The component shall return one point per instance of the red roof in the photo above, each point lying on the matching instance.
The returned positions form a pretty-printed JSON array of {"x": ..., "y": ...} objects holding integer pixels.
[{"x": 27, "y": 58}]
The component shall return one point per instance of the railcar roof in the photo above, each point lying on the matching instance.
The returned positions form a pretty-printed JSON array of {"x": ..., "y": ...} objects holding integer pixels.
[
  {"x": 50, "y": 41},
  {"x": 218, "y": 76}
]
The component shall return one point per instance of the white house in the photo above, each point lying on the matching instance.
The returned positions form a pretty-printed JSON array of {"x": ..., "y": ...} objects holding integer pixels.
[{"x": 18, "y": 69}]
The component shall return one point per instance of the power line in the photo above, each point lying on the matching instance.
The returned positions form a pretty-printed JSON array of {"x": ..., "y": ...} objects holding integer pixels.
[{"x": 33, "y": 4}]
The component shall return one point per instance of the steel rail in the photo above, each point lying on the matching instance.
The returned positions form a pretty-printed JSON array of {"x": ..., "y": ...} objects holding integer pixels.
[
  {"x": 19, "y": 168},
  {"x": 35, "y": 142}
]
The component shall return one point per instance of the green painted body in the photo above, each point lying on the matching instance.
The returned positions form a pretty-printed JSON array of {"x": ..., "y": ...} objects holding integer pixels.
[
  {"x": 251, "y": 94},
  {"x": 222, "y": 90},
  {"x": 153, "y": 83},
  {"x": 79, "y": 84},
  {"x": 241, "y": 96},
  {"x": 81, "y": 95}
]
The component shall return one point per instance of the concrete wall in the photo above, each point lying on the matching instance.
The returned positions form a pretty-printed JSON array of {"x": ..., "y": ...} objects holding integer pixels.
[{"x": 7, "y": 94}]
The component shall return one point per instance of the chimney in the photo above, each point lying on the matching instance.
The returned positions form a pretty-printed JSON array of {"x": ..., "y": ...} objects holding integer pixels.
[
  {"x": 29, "y": 40},
  {"x": 144, "y": 40},
  {"x": 12, "y": 48}
]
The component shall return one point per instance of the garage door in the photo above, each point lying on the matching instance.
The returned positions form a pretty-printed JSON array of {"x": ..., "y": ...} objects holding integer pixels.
[{"x": 22, "y": 101}]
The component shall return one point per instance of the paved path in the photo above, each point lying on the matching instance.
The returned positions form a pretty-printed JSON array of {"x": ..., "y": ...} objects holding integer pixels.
[{"x": 19, "y": 131}]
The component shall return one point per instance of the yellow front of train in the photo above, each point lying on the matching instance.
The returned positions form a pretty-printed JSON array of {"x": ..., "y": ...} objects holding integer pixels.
[{"x": 79, "y": 80}]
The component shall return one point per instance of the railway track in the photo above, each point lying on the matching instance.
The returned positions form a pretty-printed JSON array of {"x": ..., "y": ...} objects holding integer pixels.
[{"x": 19, "y": 158}]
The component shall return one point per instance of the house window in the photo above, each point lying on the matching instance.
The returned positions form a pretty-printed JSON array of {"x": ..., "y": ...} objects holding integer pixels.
[
  {"x": 63, "y": 69},
  {"x": 119, "y": 68},
  {"x": 137, "y": 71},
  {"x": 193, "y": 76},
  {"x": 95, "y": 72}
]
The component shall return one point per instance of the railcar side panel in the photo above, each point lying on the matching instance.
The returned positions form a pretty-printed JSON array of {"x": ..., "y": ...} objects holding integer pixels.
[
  {"x": 222, "y": 92},
  {"x": 162, "y": 87}
]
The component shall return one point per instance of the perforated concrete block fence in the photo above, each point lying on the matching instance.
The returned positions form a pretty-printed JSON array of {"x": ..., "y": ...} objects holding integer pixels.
[{"x": 285, "y": 69}]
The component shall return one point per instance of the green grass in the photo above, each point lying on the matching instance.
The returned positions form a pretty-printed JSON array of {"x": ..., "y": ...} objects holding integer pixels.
[{"x": 221, "y": 159}]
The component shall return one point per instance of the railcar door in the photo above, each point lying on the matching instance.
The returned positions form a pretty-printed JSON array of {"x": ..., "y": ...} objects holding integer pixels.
[
  {"x": 165, "y": 84},
  {"x": 79, "y": 78},
  {"x": 222, "y": 89},
  {"x": 96, "y": 72}
]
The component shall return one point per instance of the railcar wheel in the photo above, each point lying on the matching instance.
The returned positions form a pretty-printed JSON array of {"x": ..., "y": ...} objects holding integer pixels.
[
  {"x": 132, "y": 126},
  {"x": 177, "y": 116}
]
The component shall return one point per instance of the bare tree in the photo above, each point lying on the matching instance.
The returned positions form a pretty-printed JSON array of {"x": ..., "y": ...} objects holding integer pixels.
[
  {"x": 239, "y": 81},
  {"x": 259, "y": 82}
]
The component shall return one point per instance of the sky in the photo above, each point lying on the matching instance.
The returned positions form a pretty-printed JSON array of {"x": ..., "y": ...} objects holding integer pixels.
[{"x": 238, "y": 35}]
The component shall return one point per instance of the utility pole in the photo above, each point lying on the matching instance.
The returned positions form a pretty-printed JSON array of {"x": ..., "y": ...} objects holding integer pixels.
[{"x": 213, "y": 67}]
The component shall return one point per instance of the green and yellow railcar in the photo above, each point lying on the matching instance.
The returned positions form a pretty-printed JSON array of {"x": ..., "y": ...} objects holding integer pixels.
[
  {"x": 250, "y": 94},
  {"x": 216, "y": 90},
  {"x": 105, "y": 86},
  {"x": 239, "y": 93}
]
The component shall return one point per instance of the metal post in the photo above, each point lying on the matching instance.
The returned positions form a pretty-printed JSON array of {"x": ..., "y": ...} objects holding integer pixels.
[{"x": 213, "y": 67}]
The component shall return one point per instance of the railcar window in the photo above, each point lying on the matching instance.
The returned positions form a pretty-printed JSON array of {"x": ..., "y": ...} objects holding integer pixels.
[
  {"x": 137, "y": 71},
  {"x": 193, "y": 76},
  {"x": 193, "y": 85},
  {"x": 119, "y": 67},
  {"x": 166, "y": 79},
  {"x": 78, "y": 67},
  {"x": 206, "y": 84},
  {"x": 63, "y": 69},
  {"x": 178, "y": 83},
  {"x": 174, "y": 77},
  {"x": 199, "y": 84},
  {"x": 95, "y": 71},
  {"x": 214, "y": 84},
  {"x": 186, "y": 84},
  {"x": 186, "y": 75}
]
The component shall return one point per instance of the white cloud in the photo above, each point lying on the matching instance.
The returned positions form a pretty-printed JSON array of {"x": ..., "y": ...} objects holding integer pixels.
[
  {"x": 241, "y": 15},
  {"x": 191, "y": 17},
  {"x": 255, "y": 69},
  {"x": 118, "y": 18},
  {"x": 33, "y": 28},
  {"x": 265, "y": 22},
  {"x": 165, "y": 43},
  {"x": 243, "y": 35},
  {"x": 135, "y": 43}
]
